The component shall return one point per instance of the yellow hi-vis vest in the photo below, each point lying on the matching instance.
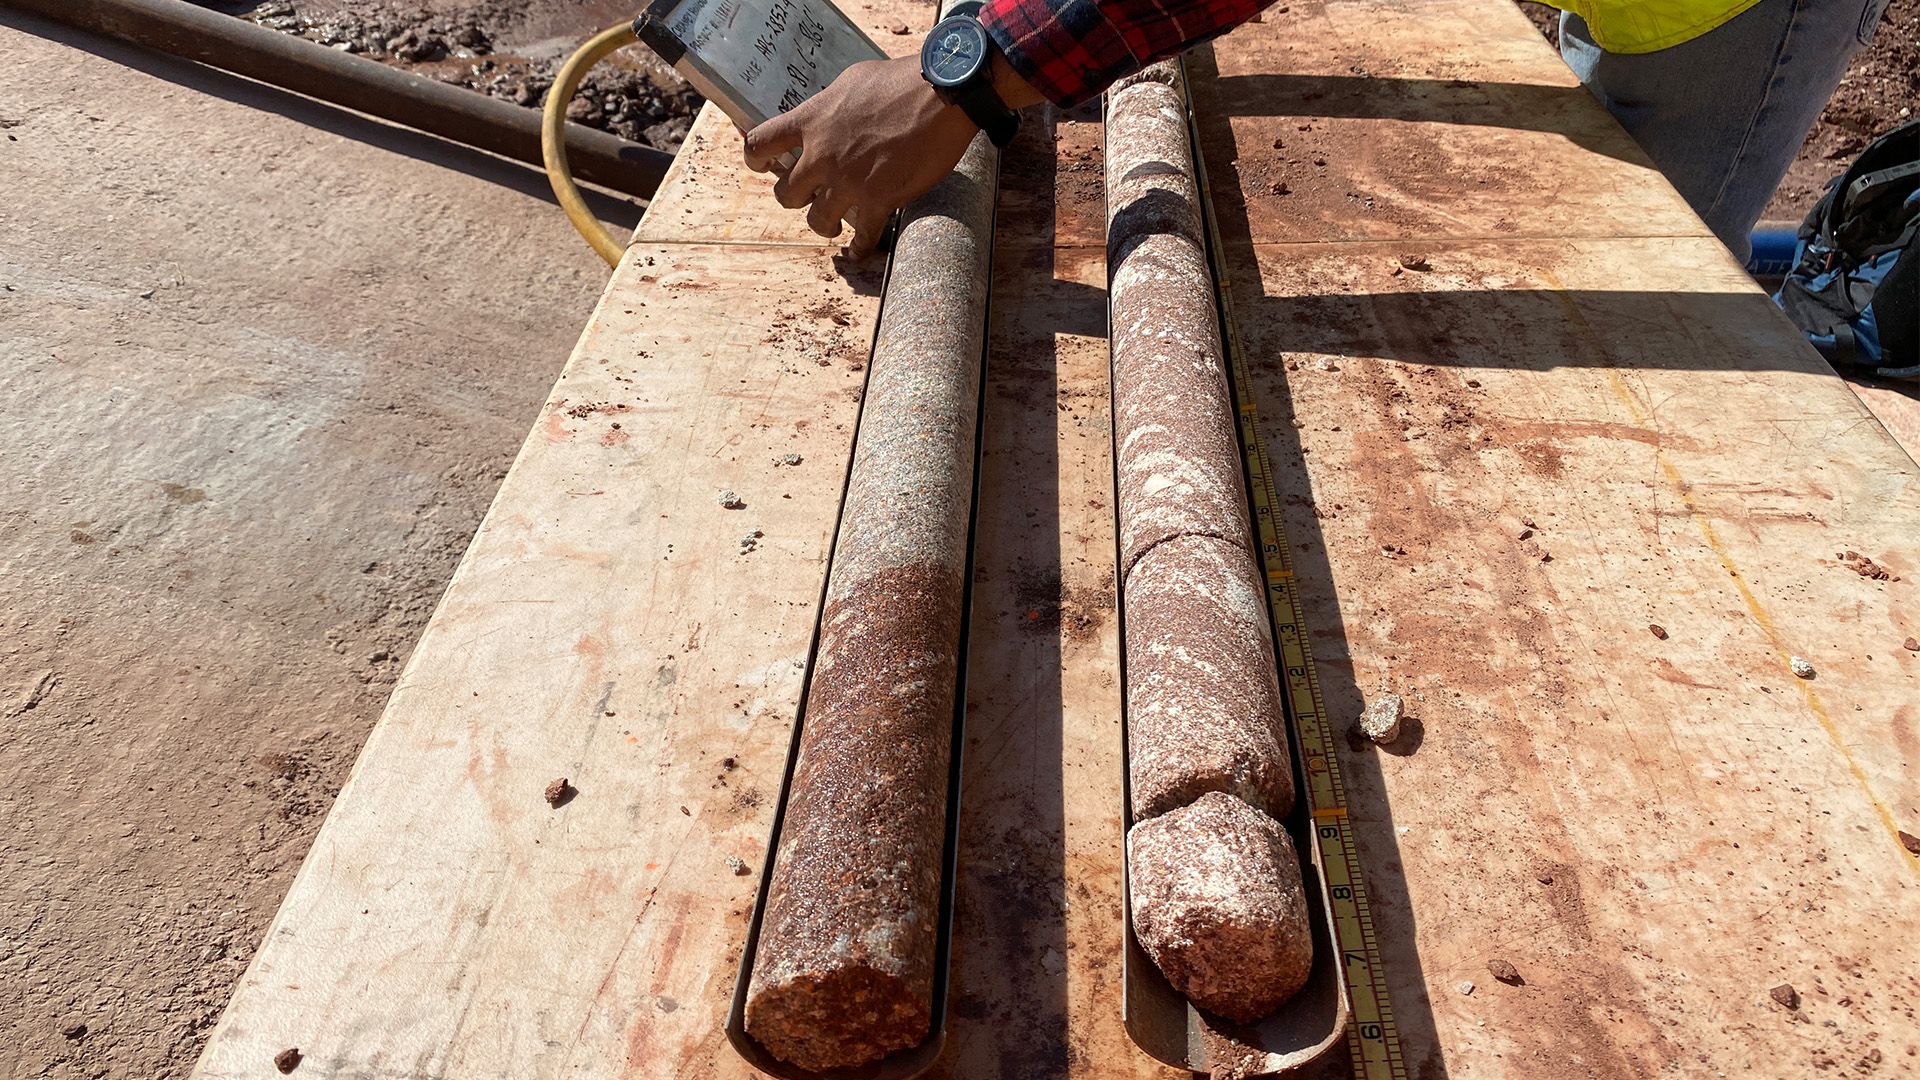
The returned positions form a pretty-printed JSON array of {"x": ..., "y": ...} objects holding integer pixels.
[{"x": 1644, "y": 26}]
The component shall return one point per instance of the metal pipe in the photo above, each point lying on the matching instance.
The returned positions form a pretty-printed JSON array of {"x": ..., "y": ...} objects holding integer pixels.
[{"x": 354, "y": 82}]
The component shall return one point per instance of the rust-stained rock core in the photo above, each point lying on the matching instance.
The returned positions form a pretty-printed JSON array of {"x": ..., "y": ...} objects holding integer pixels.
[
  {"x": 843, "y": 973},
  {"x": 1177, "y": 455},
  {"x": 1219, "y": 905},
  {"x": 1216, "y": 896}
]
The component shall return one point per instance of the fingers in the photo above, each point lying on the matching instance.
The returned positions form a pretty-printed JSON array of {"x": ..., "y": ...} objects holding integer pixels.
[
  {"x": 828, "y": 209},
  {"x": 771, "y": 139},
  {"x": 868, "y": 226},
  {"x": 797, "y": 188}
]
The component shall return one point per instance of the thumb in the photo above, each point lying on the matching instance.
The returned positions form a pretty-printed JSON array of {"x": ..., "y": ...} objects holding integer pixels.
[
  {"x": 868, "y": 227},
  {"x": 771, "y": 139}
]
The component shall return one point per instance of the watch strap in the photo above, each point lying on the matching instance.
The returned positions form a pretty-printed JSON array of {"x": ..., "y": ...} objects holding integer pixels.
[{"x": 978, "y": 99}]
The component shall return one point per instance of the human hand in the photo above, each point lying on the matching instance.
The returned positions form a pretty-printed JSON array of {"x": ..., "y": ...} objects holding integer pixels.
[{"x": 874, "y": 140}]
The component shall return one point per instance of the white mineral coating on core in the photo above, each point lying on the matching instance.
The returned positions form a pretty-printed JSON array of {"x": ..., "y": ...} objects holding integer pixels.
[
  {"x": 1216, "y": 900},
  {"x": 1381, "y": 720},
  {"x": 1203, "y": 693},
  {"x": 843, "y": 973},
  {"x": 1176, "y": 449},
  {"x": 911, "y": 489}
]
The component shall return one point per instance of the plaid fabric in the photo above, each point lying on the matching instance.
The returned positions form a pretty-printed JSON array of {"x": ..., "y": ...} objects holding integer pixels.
[{"x": 1071, "y": 50}]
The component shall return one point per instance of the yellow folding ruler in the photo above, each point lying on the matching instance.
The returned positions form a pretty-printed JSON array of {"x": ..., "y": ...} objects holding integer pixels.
[{"x": 1372, "y": 1040}]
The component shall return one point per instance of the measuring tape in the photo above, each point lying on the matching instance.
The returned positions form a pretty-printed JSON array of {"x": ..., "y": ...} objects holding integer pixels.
[{"x": 1372, "y": 1040}]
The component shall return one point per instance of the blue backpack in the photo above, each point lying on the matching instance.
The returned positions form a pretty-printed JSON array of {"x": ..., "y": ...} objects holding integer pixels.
[{"x": 1854, "y": 288}]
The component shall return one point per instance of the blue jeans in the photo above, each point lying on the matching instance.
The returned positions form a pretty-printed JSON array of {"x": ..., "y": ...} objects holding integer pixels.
[{"x": 1724, "y": 114}]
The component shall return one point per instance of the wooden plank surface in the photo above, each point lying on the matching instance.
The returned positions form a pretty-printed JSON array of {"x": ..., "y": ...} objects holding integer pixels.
[
  {"x": 1500, "y": 472},
  {"x": 1037, "y": 970},
  {"x": 609, "y": 626},
  {"x": 605, "y": 626},
  {"x": 1430, "y": 118}
]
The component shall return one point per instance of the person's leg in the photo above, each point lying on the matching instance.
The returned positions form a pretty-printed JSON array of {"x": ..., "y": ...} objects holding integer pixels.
[{"x": 1724, "y": 114}]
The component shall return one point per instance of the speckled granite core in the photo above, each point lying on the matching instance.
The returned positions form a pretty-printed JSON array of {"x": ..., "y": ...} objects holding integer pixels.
[
  {"x": 843, "y": 972},
  {"x": 1177, "y": 454},
  {"x": 1219, "y": 906},
  {"x": 1203, "y": 695}
]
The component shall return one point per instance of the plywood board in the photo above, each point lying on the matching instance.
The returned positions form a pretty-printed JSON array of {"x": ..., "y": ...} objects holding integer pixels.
[
  {"x": 1037, "y": 970},
  {"x": 606, "y": 626},
  {"x": 1372, "y": 119},
  {"x": 1500, "y": 474},
  {"x": 1653, "y": 830}
]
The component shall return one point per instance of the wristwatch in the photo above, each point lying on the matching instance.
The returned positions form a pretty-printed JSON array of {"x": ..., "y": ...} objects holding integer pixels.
[{"x": 957, "y": 59}]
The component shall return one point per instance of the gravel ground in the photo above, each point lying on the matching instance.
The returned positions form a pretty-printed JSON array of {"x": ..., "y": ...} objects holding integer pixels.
[
  {"x": 1879, "y": 92},
  {"x": 497, "y": 48}
]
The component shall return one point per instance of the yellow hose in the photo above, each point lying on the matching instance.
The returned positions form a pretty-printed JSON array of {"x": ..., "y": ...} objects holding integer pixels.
[{"x": 553, "y": 142}]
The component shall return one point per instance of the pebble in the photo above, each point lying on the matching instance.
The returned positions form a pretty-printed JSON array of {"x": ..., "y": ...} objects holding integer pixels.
[
  {"x": 1381, "y": 721},
  {"x": 74, "y": 1031},
  {"x": 739, "y": 867},
  {"x": 287, "y": 1060},
  {"x": 1801, "y": 667},
  {"x": 1466, "y": 988},
  {"x": 790, "y": 459},
  {"x": 1504, "y": 971},
  {"x": 750, "y": 541},
  {"x": 1786, "y": 995},
  {"x": 557, "y": 792},
  {"x": 1911, "y": 645},
  {"x": 1657, "y": 631},
  {"x": 731, "y": 501}
]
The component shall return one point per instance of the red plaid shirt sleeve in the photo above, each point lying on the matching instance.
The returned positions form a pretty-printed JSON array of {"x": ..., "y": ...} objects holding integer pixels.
[{"x": 1071, "y": 50}]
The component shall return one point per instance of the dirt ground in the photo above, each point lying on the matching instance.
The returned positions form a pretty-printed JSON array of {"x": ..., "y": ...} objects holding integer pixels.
[
  {"x": 1878, "y": 93},
  {"x": 262, "y": 365}
]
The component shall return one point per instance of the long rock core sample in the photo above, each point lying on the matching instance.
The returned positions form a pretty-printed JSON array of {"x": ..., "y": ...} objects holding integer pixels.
[
  {"x": 843, "y": 972},
  {"x": 1203, "y": 698}
]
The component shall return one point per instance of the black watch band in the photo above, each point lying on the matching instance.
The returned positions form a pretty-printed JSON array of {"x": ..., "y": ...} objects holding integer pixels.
[{"x": 982, "y": 104}]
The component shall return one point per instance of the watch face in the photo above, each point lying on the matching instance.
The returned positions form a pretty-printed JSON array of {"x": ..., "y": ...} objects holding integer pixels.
[{"x": 954, "y": 52}]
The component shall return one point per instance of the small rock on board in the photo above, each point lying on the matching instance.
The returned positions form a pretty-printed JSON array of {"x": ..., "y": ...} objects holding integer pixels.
[
  {"x": 1801, "y": 667},
  {"x": 1910, "y": 842},
  {"x": 557, "y": 792},
  {"x": 1786, "y": 995},
  {"x": 1219, "y": 906},
  {"x": 1381, "y": 721},
  {"x": 1504, "y": 971},
  {"x": 287, "y": 1060},
  {"x": 1657, "y": 631}
]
